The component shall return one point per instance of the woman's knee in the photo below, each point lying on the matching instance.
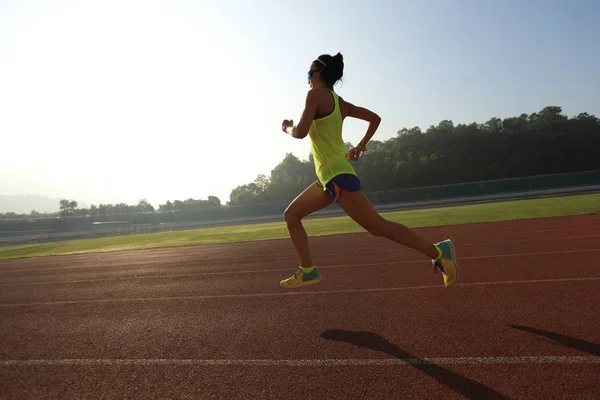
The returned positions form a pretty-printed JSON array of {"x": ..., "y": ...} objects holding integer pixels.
[{"x": 291, "y": 215}]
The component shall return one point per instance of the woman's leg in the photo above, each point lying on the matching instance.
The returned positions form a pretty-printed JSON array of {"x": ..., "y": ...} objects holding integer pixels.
[
  {"x": 310, "y": 200},
  {"x": 359, "y": 208}
]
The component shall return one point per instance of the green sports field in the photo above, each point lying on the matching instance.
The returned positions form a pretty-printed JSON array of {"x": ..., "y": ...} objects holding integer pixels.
[{"x": 510, "y": 210}]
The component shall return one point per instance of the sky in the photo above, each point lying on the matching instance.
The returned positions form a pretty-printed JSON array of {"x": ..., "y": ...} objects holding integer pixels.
[{"x": 119, "y": 100}]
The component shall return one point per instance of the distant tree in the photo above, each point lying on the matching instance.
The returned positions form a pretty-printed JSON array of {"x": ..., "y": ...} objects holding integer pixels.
[
  {"x": 122, "y": 208},
  {"x": 246, "y": 194},
  {"x": 166, "y": 207},
  {"x": 214, "y": 201},
  {"x": 67, "y": 207},
  {"x": 144, "y": 206}
]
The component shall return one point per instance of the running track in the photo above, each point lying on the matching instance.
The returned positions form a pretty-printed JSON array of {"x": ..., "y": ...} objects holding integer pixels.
[{"x": 212, "y": 322}]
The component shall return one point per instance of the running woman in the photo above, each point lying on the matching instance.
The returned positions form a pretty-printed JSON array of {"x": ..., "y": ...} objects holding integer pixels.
[{"x": 322, "y": 120}]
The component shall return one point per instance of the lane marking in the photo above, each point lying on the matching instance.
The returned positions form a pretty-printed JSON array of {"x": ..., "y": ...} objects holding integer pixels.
[
  {"x": 310, "y": 363},
  {"x": 129, "y": 278},
  {"x": 299, "y": 293}
]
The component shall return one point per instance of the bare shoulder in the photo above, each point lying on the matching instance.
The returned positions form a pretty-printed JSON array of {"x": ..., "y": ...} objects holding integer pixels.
[{"x": 316, "y": 95}]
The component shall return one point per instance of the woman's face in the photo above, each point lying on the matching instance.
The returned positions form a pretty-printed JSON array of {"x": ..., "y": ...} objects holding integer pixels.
[{"x": 314, "y": 75}]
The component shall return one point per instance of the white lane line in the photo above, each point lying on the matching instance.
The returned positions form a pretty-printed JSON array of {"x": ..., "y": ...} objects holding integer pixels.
[
  {"x": 311, "y": 363},
  {"x": 130, "y": 278},
  {"x": 298, "y": 293}
]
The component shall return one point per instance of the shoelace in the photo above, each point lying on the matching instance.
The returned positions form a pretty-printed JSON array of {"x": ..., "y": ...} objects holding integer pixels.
[
  {"x": 297, "y": 272},
  {"x": 438, "y": 266}
]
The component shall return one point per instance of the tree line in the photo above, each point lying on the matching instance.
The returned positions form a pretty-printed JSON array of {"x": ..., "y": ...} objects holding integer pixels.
[
  {"x": 544, "y": 142},
  {"x": 69, "y": 208}
]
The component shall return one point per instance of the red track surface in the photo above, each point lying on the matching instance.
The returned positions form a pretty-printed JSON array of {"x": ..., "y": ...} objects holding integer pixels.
[{"x": 212, "y": 322}]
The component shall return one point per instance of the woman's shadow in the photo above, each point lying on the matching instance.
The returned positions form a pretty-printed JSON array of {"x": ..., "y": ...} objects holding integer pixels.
[{"x": 458, "y": 383}]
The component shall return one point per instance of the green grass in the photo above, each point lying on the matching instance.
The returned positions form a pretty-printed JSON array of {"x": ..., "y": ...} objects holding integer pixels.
[{"x": 512, "y": 210}]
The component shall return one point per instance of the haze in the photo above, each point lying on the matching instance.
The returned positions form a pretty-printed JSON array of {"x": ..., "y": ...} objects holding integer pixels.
[{"x": 116, "y": 101}]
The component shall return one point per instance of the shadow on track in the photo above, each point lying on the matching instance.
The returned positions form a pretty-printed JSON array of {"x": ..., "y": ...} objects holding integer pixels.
[
  {"x": 456, "y": 382},
  {"x": 567, "y": 341}
]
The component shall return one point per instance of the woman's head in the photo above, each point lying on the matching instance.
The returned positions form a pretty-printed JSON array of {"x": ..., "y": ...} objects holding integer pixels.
[{"x": 326, "y": 71}]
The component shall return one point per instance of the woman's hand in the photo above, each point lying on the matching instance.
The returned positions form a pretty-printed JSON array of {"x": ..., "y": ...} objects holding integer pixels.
[
  {"x": 353, "y": 154},
  {"x": 286, "y": 124}
]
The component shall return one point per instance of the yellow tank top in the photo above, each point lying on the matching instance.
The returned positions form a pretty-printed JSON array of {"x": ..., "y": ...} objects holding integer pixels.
[{"x": 327, "y": 145}]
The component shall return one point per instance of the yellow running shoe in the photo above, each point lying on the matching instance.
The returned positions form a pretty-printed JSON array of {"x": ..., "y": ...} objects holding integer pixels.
[
  {"x": 446, "y": 262},
  {"x": 301, "y": 278}
]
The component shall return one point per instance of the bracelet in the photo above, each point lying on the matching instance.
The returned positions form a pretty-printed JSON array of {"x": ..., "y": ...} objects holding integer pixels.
[{"x": 361, "y": 147}]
